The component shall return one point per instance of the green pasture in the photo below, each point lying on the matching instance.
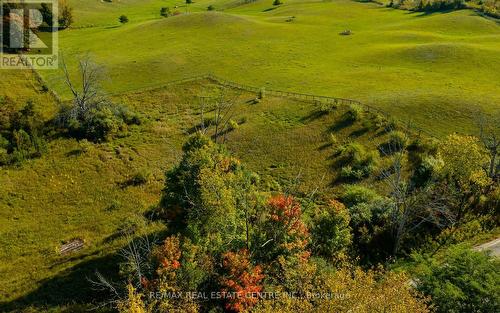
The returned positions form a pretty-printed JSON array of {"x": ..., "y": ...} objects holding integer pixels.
[{"x": 435, "y": 70}]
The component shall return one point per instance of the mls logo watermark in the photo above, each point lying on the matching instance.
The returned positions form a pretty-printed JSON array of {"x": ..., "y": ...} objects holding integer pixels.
[{"x": 28, "y": 34}]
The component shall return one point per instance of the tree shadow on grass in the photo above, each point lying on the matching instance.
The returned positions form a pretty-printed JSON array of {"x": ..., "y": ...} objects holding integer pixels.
[
  {"x": 68, "y": 287},
  {"x": 72, "y": 287},
  {"x": 314, "y": 115},
  {"x": 341, "y": 124}
]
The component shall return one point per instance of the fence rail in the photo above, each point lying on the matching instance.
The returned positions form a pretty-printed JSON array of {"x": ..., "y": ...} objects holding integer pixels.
[
  {"x": 288, "y": 94},
  {"x": 318, "y": 99}
]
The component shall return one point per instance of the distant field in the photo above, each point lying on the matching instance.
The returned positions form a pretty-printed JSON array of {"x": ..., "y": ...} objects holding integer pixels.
[{"x": 433, "y": 69}]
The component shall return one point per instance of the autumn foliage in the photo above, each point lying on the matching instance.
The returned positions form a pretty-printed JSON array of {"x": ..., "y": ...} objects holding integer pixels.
[
  {"x": 242, "y": 281},
  {"x": 288, "y": 230},
  {"x": 168, "y": 256}
]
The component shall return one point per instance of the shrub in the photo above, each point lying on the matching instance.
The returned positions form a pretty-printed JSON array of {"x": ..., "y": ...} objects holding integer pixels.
[
  {"x": 20, "y": 134},
  {"x": 211, "y": 8},
  {"x": 165, "y": 12},
  {"x": 4, "y": 157},
  {"x": 233, "y": 125},
  {"x": 277, "y": 2},
  {"x": 325, "y": 107},
  {"x": 354, "y": 113},
  {"x": 123, "y": 19},
  {"x": 356, "y": 194},
  {"x": 429, "y": 167},
  {"x": 424, "y": 146},
  {"x": 4, "y": 143},
  {"x": 333, "y": 139},
  {"x": 397, "y": 142},
  {"x": 390, "y": 125},
  {"x": 189, "y": 1},
  {"x": 140, "y": 178},
  {"x": 379, "y": 121},
  {"x": 100, "y": 124},
  {"x": 128, "y": 116},
  {"x": 357, "y": 161},
  {"x": 348, "y": 172},
  {"x": 65, "y": 14},
  {"x": 262, "y": 93}
]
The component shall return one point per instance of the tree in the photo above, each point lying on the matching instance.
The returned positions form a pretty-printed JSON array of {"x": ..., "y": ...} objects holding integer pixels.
[
  {"x": 331, "y": 235},
  {"x": 204, "y": 193},
  {"x": 463, "y": 162},
  {"x": 241, "y": 279},
  {"x": 350, "y": 289},
  {"x": 284, "y": 233},
  {"x": 489, "y": 133},
  {"x": 460, "y": 280},
  {"x": 91, "y": 114},
  {"x": 222, "y": 105},
  {"x": 411, "y": 208},
  {"x": 65, "y": 14},
  {"x": 123, "y": 19}
]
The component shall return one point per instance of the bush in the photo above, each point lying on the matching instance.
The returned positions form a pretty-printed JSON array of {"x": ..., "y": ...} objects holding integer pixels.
[
  {"x": 4, "y": 143},
  {"x": 20, "y": 134},
  {"x": 277, "y": 2},
  {"x": 123, "y": 19},
  {"x": 165, "y": 12},
  {"x": 101, "y": 124},
  {"x": 262, "y": 93},
  {"x": 325, "y": 107},
  {"x": 428, "y": 167},
  {"x": 233, "y": 125},
  {"x": 347, "y": 172},
  {"x": 333, "y": 139},
  {"x": 357, "y": 161},
  {"x": 140, "y": 178},
  {"x": 398, "y": 141},
  {"x": 354, "y": 113},
  {"x": 356, "y": 194},
  {"x": 65, "y": 14},
  {"x": 211, "y": 8},
  {"x": 129, "y": 117}
]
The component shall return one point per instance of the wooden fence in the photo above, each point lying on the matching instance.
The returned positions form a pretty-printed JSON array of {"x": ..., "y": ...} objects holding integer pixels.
[{"x": 317, "y": 99}]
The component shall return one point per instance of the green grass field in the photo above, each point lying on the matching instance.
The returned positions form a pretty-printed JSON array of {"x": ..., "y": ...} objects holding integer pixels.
[
  {"x": 80, "y": 191},
  {"x": 433, "y": 69}
]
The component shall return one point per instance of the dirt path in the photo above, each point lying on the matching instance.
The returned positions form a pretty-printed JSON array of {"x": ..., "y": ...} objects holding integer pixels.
[{"x": 492, "y": 246}]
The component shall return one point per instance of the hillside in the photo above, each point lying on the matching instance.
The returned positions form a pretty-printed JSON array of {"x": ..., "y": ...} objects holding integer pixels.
[
  {"x": 420, "y": 77},
  {"x": 81, "y": 190},
  {"x": 434, "y": 69}
]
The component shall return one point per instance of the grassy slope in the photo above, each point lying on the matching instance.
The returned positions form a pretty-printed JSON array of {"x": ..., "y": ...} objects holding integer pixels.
[
  {"x": 71, "y": 193},
  {"x": 23, "y": 86},
  {"x": 394, "y": 60},
  {"x": 434, "y": 69}
]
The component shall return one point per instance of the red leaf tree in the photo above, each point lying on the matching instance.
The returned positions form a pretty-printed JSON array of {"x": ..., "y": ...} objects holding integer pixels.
[{"x": 242, "y": 281}]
